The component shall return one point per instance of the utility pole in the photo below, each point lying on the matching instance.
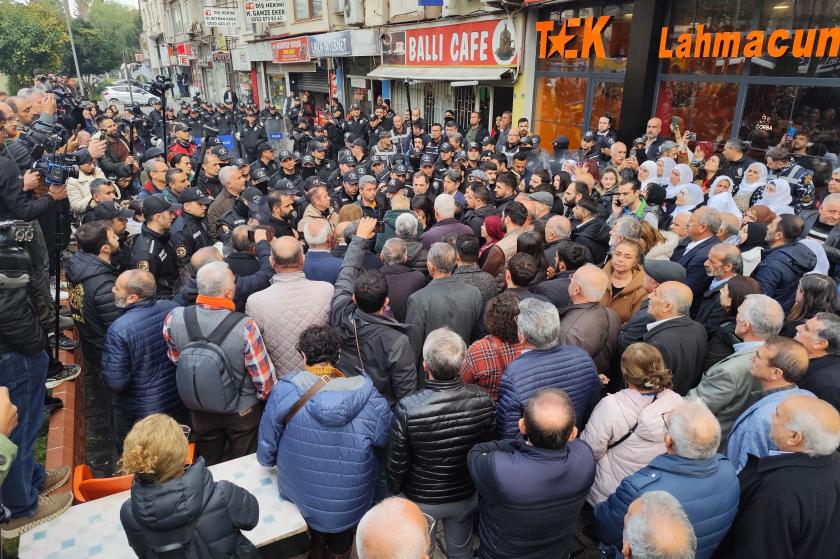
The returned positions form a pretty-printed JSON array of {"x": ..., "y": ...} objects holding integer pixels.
[{"x": 66, "y": 5}]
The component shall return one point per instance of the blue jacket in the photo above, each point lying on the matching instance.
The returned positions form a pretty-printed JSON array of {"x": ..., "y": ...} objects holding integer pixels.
[
  {"x": 563, "y": 366},
  {"x": 321, "y": 266},
  {"x": 325, "y": 458},
  {"x": 750, "y": 433},
  {"x": 708, "y": 491},
  {"x": 135, "y": 363},
  {"x": 781, "y": 269}
]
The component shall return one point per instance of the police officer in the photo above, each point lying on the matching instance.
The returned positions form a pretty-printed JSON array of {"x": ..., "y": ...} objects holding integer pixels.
[
  {"x": 152, "y": 251},
  {"x": 346, "y": 163},
  {"x": 445, "y": 160},
  {"x": 156, "y": 118},
  {"x": 781, "y": 165},
  {"x": 323, "y": 166},
  {"x": 265, "y": 161},
  {"x": 189, "y": 232},
  {"x": 238, "y": 215},
  {"x": 118, "y": 215},
  {"x": 251, "y": 135},
  {"x": 224, "y": 120},
  {"x": 588, "y": 147},
  {"x": 349, "y": 191},
  {"x": 356, "y": 124}
]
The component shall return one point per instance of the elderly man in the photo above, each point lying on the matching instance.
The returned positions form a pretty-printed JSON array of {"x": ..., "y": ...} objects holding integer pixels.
[
  {"x": 233, "y": 184},
  {"x": 656, "y": 527},
  {"x": 289, "y": 305},
  {"x": 821, "y": 226},
  {"x": 444, "y": 419},
  {"x": 730, "y": 227},
  {"x": 785, "y": 261},
  {"x": 532, "y": 491},
  {"x": 143, "y": 386},
  {"x": 557, "y": 229},
  {"x": 625, "y": 228},
  {"x": 586, "y": 323},
  {"x": 727, "y": 386},
  {"x": 444, "y": 302},
  {"x": 703, "y": 482},
  {"x": 777, "y": 366},
  {"x": 789, "y": 500},
  {"x": 319, "y": 264},
  {"x": 396, "y": 527},
  {"x": 820, "y": 336},
  {"x": 681, "y": 340},
  {"x": 231, "y": 433},
  {"x": 156, "y": 170},
  {"x": 445, "y": 222},
  {"x": 680, "y": 225},
  {"x": 544, "y": 363},
  {"x": 402, "y": 281},
  {"x": 692, "y": 255},
  {"x": 723, "y": 263}
]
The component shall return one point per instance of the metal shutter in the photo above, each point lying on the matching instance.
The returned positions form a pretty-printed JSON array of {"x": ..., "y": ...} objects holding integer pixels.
[{"x": 317, "y": 81}]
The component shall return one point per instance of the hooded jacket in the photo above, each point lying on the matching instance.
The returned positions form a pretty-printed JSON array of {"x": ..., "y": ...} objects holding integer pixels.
[
  {"x": 611, "y": 420},
  {"x": 92, "y": 305},
  {"x": 780, "y": 270},
  {"x": 219, "y": 510},
  {"x": 325, "y": 457}
]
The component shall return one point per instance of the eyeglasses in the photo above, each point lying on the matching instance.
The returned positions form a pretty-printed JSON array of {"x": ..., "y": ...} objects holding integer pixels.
[{"x": 430, "y": 525}]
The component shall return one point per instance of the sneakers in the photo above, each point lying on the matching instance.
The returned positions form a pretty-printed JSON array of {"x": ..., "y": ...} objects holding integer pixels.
[
  {"x": 52, "y": 405},
  {"x": 67, "y": 372},
  {"x": 49, "y": 507},
  {"x": 65, "y": 322},
  {"x": 64, "y": 342},
  {"x": 55, "y": 479}
]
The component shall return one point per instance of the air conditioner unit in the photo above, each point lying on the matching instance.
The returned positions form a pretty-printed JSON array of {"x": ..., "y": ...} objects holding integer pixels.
[
  {"x": 338, "y": 6},
  {"x": 354, "y": 12}
]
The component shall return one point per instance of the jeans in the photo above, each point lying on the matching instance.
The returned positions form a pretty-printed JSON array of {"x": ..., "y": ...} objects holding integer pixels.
[
  {"x": 457, "y": 520},
  {"x": 24, "y": 376}
]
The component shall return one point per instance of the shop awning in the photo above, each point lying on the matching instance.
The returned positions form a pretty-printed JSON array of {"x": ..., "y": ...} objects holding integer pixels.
[{"x": 490, "y": 74}]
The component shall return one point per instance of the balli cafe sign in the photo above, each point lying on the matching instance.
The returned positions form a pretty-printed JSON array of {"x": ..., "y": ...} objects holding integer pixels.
[{"x": 584, "y": 37}]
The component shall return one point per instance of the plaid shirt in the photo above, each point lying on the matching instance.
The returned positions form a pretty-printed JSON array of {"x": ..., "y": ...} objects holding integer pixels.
[
  {"x": 257, "y": 362},
  {"x": 486, "y": 360}
]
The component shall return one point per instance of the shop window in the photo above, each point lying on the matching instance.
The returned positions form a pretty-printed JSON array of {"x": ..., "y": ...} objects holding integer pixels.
[
  {"x": 464, "y": 105},
  {"x": 429, "y": 103},
  {"x": 770, "y": 110},
  {"x": 705, "y": 108},
  {"x": 606, "y": 99},
  {"x": 560, "y": 104},
  {"x": 307, "y": 9}
]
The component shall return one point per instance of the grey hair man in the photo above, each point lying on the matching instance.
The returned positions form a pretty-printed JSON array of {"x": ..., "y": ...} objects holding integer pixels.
[
  {"x": 444, "y": 302},
  {"x": 445, "y": 221},
  {"x": 793, "y": 491},
  {"x": 730, "y": 226},
  {"x": 402, "y": 281},
  {"x": 702, "y": 481},
  {"x": 463, "y": 416},
  {"x": 558, "y": 228},
  {"x": 656, "y": 527},
  {"x": 821, "y": 337},
  {"x": 233, "y": 184},
  {"x": 726, "y": 387},
  {"x": 234, "y": 426},
  {"x": 723, "y": 263},
  {"x": 625, "y": 228},
  {"x": 395, "y": 528},
  {"x": 319, "y": 263},
  {"x": 546, "y": 364}
]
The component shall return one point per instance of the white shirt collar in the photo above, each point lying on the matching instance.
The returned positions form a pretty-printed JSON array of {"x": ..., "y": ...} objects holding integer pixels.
[{"x": 653, "y": 325}]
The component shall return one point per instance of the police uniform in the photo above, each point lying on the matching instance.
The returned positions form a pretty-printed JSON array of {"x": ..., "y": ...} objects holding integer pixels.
[
  {"x": 736, "y": 169},
  {"x": 189, "y": 233},
  {"x": 153, "y": 253},
  {"x": 357, "y": 126},
  {"x": 227, "y": 223},
  {"x": 250, "y": 137}
]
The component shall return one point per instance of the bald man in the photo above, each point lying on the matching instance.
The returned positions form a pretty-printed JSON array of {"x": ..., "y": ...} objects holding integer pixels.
[
  {"x": 394, "y": 528},
  {"x": 722, "y": 264},
  {"x": 586, "y": 323},
  {"x": 289, "y": 305},
  {"x": 557, "y": 229},
  {"x": 531, "y": 493},
  {"x": 142, "y": 386},
  {"x": 653, "y": 138},
  {"x": 657, "y": 524},
  {"x": 789, "y": 500},
  {"x": 681, "y": 341}
]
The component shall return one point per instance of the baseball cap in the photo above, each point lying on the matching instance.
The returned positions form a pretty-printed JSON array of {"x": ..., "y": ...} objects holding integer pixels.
[
  {"x": 561, "y": 142},
  {"x": 239, "y": 162},
  {"x": 543, "y": 198},
  {"x": 446, "y": 147},
  {"x": 535, "y": 140},
  {"x": 348, "y": 160},
  {"x": 250, "y": 194},
  {"x": 525, "y": 141},
  {"x": 318, "y": 146},
  {"x": 473, "y": 145},
  {"x": 151, "y": 153},
  {"x": 264, "y": 146},
  {"x": 221, "y": 152},
  {"x": 181, "y": 127},
  {"x": 487, "y": 141},
  {"x": 461, "y": 155},
  {"x": 361, "y": 170},
  {"x": 258, "y": 175},
  {"x": 83, "y": 158},
  {"x": 312, "y": 182},
  {"x": 395, "y": 185},
  {"x": 373, "y": 116},
  {"x": 664, "y": 270},
  {"x": 359, "y": 142},
  {"x": 194, "y": 194},
  {"x": 355, "y": 106},
  {"x": 308, "y": 160},
  {"x": 374, "y": 159},
  {"x": 156, "y": 204},
  {"x": 296, "y": 155},
  {"x": 111, "y": 209},
  {"x": 318, "y": 128},
  {"x": 385, "y": 134},
  {"x": 284, "y": 185},
  {"x": 401, "y": 170},
  {"x": 286, "y": 154},
  {"x": 609, "y": 141},
  {"x": 427, "y": 161},
  {"x": 350, "y": 176},
  {"x": 589, "y": 136}
]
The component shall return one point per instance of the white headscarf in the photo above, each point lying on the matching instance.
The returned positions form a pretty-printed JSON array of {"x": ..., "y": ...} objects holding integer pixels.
[
  {"x": 686, "y": 176},
  {"x": 668, "y": 166},
  {"x": 723, "y": 201},
  {"x": 693, "y": 198},
  {"x": 779, "y": 201},
  {"x": 650, "y": 166},
  {"x": 748, "y": 187}
]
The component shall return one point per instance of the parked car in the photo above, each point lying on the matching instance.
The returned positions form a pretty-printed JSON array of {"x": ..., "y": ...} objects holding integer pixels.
[{"x": 120, "y": 94}]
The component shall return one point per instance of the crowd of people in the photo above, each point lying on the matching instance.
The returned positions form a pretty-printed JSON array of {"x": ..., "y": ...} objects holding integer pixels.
[{"x": 421, "y": 323}]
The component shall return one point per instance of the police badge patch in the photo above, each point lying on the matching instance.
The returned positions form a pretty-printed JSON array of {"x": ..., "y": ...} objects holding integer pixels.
[
  {"x": 143, "y": 265},
  {"x": 225, "y": 229},
  {"x": 181, "y": 251}
]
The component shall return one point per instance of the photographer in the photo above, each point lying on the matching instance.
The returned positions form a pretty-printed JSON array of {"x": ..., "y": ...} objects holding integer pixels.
[
  {"x": 117, "y": 150},
  {"x": 23, "y": 371}
]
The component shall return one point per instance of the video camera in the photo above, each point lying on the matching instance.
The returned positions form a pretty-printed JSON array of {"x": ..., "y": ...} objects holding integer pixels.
[
  {"x": 64, "y": 101},
  {"x": 57, "y": 169},
  {"x": 15, "y": 264},
  {"x": 44, "y": 138},
  {"x": 160, "y": 86},
  {"x": 14, "y": 232}
]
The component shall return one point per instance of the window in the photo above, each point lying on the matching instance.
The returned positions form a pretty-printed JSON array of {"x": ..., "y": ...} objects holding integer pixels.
[
  {"x": 706, "y": 108},
  {"x": 175, "y": 19},
  {"x": 559, "y": 110},
  {"x": 307, "y": 9}
]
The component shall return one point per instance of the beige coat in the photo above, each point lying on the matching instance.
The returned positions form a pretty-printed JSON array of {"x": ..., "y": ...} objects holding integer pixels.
[{"x": 78, "y": 190}]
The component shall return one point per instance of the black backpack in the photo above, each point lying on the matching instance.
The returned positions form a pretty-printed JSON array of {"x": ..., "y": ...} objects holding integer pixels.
[{"x": 205, "y": 378}]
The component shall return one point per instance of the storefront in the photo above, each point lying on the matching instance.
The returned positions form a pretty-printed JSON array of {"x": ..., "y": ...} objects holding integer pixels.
[
  {"x": 716, "y": 93},
  {"x": 355, "y": 85},
  {"x": 467, "y": 66}
]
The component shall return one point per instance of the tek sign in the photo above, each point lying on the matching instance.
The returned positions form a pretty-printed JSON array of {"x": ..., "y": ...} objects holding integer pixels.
[
  {"x": 265, "y": 11},
  {"x": 584, "y": 37}
]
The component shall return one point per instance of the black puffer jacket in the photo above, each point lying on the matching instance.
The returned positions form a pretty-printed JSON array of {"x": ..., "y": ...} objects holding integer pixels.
[
  {"x": 219, "y": 509},
  {"x": 431, "y": 434},
  {"x": 20, "y": 329},
  {"x": 92, "y": 305}
]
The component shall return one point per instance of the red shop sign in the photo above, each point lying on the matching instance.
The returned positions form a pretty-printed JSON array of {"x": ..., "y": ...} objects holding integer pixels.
[
  {"x": 479, "y": 43},
  {"x": 184, "y": 48},
  {"x": 286, "y": 51}
]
